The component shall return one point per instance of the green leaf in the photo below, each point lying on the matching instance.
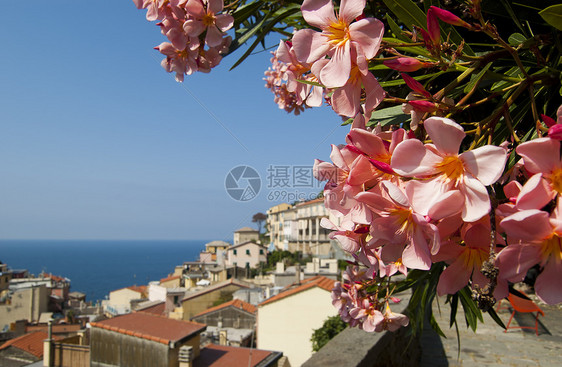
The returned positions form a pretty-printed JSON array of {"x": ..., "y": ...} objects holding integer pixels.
[
  {"x": 245, "y": 36},
  {"x": 516, "y": 39},
  {"x": 552, "y": 15},
  {"x": 264, "y": 30},
  {"x": 245, "y": 11},
  {"x": 476, "y": 78},
  {"x": 454, "y": 307},
  {"x": 396, "y": 29},
  {"x": 495, "y": 317},
  {"x": 435, "y": 326},
  {"x": 389, "y": 116},
  {"x": 509, "y": 9},
  {"x": 407, "y": 12},
  {"x": 471, "y": 312}
]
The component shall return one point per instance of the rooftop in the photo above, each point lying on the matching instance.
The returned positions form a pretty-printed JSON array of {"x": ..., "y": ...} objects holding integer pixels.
[
  {"x": 317, "y": 281},
  {"x": 246, "y": 229},
  {"x": 217, "y": 244},
  {"x": 223, "y": 356},
  {"x": 31, "y": 343},
  {"x": 170, "y": 278},
  {"x": 237, "y": 303},
  {"x": 151, "y": 327},
  {"x": 244, "y": 244}
]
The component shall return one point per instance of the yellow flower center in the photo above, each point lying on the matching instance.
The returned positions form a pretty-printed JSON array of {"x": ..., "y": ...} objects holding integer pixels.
[
  {"x": 552, "y": 248},
  {"x": 337, "y": 33},
  {"x": 474, "y": 257},
  {"x": 209, "y": 19},
  {"x": 556, "y": 179},
  {"x": 451, "y": 167},
  {"x": 403, "y": 220}
]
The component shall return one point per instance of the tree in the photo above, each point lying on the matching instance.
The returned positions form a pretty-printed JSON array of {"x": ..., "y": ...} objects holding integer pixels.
[
  {"x": 331, "y": 327},
  {"x": 259, "y": 218},
  {"x": 451, "y": 172}
]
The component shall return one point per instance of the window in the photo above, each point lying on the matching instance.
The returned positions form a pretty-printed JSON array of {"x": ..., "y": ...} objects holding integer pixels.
[
  {"x": 234, "y": 251},
  {"x": 261, "y": 251},
  {"x": 247, "y": 252}
]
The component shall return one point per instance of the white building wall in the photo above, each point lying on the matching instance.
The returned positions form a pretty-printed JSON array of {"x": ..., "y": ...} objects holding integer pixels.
[{"x": 287, "y": 324}]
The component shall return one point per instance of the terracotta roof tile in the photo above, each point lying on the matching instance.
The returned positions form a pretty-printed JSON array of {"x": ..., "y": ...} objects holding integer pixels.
[
  {"x": 152, "y": 327},
  {"x": 170, "y": 278},
  {"x": 234, "y": 303},
  {"x": 214, "y": 355},
  {"x": 157, "y": 309},
  {"x": 138, "y": 288},
  {"x": 31, "y": 343},
  {"x": 316, "y": 281}
]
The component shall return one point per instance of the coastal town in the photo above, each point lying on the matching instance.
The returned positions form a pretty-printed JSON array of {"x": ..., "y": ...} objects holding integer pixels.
[{"x": 253, "y": 302}]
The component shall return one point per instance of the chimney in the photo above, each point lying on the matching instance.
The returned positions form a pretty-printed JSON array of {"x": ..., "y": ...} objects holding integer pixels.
[
  {"x": 185, "y": 356},
  {"x": 298, "y": 274},
  {"x": 48, "y": 355},
  {"x": 223, "y": 337}
]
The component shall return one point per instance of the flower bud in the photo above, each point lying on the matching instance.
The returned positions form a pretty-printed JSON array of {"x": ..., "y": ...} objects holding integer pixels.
[
  {"x": 447, "y": 17},
  {"x": 407, "y": 64}
]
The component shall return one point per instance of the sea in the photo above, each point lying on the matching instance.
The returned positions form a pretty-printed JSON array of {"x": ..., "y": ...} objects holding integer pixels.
[{"x": 97, "y": 267}]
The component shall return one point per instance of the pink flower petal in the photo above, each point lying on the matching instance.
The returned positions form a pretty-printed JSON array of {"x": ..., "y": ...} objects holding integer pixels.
[
  {"x": 476, "y": 199},
  {"x": 410, "y": 158},
  {"x": 351, "y": 9},
  {"x": 367, "y": 142},
  {"x": 215, "y": 6},
  {"x": 416, "y": 255},
  {"x": 527, "y": 225},
  {"x": 548, "y": 286},
  {"x": 224, "y": 22},
  {"x": 367, "y": 34},
  {"x": 446, "y": 134},
  {"x": 515, "y": 260},
  {"x": 446, "y": 205},
  {"x": 535, "y": 194},
  {"x": 540, "y": 155},
  {"x": 485, "y": 163},
  {"x": 318, "y": 13},
  {"x": 336, "y": 72},
  {"x": 346, "y": 101},
  {"x": 454, "y": 278},
  {"x": 309, "y": 45}
]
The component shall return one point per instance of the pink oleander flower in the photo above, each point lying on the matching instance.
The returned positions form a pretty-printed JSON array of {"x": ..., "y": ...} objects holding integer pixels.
[
  {"x": 293, "y": 71},
  {"x": 406, "y": 64},
  {"x": 346, "y": 100},
  {"x": 339, "y": 37},
  {"x": 465, "y": 261},
  {"x": 441, "y": 168},
  {"x": 351, "y": 236},
  {"x": 534, "y": 237},
  {"x": 448, "y": 17},
  {"x": 433, "y": 29},
  {"x": 541, "y": 157},
  {"x": 204, "y": 17},
  {"x": 157, "y": 9},
  {"x": 555, "y": 127},
  {"x": 181, "y": 62},
  {"x": 392, "y": 320},
  {"x": 397, "y": 223}
]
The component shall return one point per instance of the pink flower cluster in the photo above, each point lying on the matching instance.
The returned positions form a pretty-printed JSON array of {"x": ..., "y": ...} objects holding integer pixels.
[
  {"x": 359, "y": 306},
  {"x": 195, "y": 30},
  {"x": 336, "y": 57}
]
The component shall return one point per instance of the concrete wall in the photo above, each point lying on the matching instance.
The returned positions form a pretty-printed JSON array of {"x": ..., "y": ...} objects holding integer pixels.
[
  {"x": 120, "y": 301},
  {"x": 242, "y": 257},
  {"x": 241, "y": 237},
  {"x": 286, "y": 325},
  {"x": 195, "y": 305},
  {"x": 25, "y": 304}
]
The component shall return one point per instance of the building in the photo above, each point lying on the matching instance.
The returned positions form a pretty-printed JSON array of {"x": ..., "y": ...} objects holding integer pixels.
[
  {"x": 286, "y": 321},
  {"x": 275, "y": 221},
  {"x": 297, "y": 228},
  {"x": 200, "y": 301},
  {"x": 24, "y": 303},
  {"x": 5, "y": 277},
  {"x": 121, "y": 301},
  {"x": 143, "y": 339},
  {"x": 236, "y": 314},
  {"x": 246, "y": 234},
  {"x": 246, "y": 255},
  {"x": 214, "y": 252}
]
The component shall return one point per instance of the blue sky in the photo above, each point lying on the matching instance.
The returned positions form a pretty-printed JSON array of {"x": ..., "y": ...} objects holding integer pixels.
[{"x": 97, "y": 141}]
